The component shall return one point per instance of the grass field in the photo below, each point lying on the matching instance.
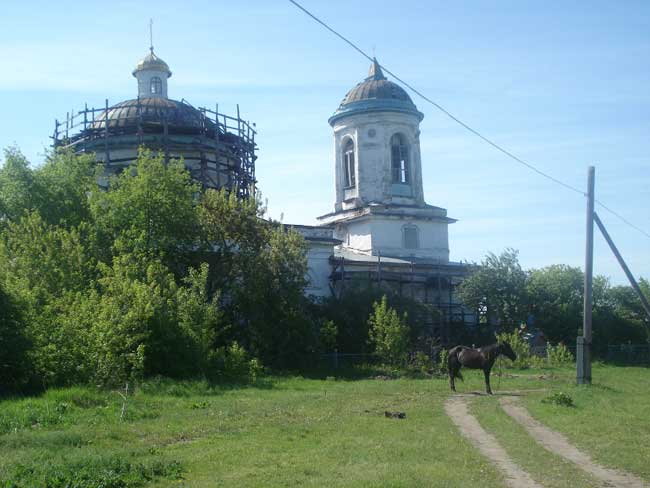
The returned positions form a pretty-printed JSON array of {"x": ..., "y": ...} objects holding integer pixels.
[{"x": 314, "y": 432}]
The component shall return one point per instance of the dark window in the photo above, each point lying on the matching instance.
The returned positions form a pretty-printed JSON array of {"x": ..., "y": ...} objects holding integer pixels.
[
  {"x": 348, "y": 164},
  {"x": 399, "y": 159},
  {"x": 156, "y": 85},
  {"x": 410, "y": 237}
]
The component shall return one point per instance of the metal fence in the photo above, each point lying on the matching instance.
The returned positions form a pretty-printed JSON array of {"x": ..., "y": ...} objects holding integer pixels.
[{"x": 629, "y": 353}]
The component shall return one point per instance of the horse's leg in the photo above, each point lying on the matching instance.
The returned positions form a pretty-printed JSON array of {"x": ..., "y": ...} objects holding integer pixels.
[
  {"x": 487, "y": 381},
  {"x": 452, "y": 373}
]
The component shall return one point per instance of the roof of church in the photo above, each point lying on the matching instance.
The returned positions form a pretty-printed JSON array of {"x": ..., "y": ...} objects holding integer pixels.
[
  {"x": 152, "y": 110},
  {"x": 153, "y": 63},
  {"x": 374, "y": 93}
]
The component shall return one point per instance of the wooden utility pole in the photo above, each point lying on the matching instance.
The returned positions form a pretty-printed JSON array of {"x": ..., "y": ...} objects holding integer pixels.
[{"x": 583, "y": 349}]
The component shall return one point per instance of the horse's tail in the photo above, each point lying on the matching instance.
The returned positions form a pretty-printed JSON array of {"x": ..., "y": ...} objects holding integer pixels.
[{"x": 453, "y": 363}]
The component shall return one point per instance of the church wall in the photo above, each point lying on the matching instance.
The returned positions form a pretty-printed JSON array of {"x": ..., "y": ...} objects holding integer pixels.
[
  {"x": 433, "y": 239},
  {"x": 371, "y": 133},
  {"x": 319, "y": 269},
  {"x": 144, "y": 83}
]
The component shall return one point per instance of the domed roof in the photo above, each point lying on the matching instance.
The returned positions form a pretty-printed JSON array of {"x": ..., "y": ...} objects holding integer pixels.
[
  {"x": 375, "y": 93},
  {"x": 180, "y": 116},
  {"x": 153, "y": 63}
]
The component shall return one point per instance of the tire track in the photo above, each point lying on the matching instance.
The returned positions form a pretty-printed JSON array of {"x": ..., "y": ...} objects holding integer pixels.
[
  {"x": 558, "y": 444},
  {"x": 456, "y": 408}
]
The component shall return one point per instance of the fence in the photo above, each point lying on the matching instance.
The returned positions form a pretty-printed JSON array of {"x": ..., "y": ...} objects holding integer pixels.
[
  {"x": 629, "y": 354},
  {"x": 619, "y": 353}
]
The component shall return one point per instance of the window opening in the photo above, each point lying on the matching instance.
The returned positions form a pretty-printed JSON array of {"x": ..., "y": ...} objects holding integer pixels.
[
  {"x": 348, "y": 164},
  {"x": 400, "y": 161},
  {"x": 410, "y": 234},
  {"x": 156, "y": 85}
]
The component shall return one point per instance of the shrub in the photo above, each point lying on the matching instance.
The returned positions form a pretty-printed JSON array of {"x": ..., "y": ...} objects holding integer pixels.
[
  {"x": 388, "y": 333},
  {"x": 521, "y": 348},
  {"x": 234, "y": 364},
  {"x": 420, "y": 364},
  {"x": 559, "y": 355},
  {"x": 442, "y": 361}
]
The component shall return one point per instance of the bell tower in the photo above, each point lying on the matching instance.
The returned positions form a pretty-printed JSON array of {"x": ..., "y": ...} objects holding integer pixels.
[{"x": 379, "y": 203}]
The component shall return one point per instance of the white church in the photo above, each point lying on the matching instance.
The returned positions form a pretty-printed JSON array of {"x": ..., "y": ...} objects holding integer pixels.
[{"x": 381, "y": 232}]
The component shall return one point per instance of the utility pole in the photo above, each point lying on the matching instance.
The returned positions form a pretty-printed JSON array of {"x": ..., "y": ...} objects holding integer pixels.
[{"x": 583, "y": 349}]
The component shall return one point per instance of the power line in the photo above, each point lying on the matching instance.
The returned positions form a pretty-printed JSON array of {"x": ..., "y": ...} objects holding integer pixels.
[
  {"x": 463, "y": 124},
  {"x": 623, "y": 219}
]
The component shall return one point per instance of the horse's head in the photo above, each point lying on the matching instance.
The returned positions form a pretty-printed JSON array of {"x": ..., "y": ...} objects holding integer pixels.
[{"x": 506, "y": 350}]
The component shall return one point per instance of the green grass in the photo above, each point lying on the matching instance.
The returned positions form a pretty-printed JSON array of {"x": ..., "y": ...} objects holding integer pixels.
[
  {"x": 610, "y": 420},
  {"x": 285, "y": 432}
]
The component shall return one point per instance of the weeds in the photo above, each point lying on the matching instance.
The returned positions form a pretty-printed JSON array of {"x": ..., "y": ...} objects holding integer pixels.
[
  {"x": 559, "y": 398},
  {"x": 105, "y": 472}
]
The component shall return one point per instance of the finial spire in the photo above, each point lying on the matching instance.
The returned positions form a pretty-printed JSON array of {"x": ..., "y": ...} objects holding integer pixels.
[
  {"x": 151, "y": 35},
  {"x": 375, "y": 72}
]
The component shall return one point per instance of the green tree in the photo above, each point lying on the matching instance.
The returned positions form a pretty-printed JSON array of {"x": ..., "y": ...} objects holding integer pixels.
[
  {"x": 57, "y": 190},
  {"x": 497, "y": 290},
  {"x": 388, "y": 333},
  {"x": 16, "y": 186},
  {"x": 556, "y": 294},
  {"x": 150, "y": 207},
  {"x": 14, "y": 346},
  {"x": 260, "y": 268}
]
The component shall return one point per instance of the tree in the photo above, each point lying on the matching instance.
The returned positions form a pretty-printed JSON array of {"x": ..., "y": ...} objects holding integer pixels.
[
  {"x": 14, "y": 364},
  {"x": 150, "y": 207},
  {"x": 57, "y": 190},
  {"x": 388, "y": 333},
  {"x": 16, "y": 186},
  {"x": 556, "y": 294},
  {"x": 497, "y": 290}
]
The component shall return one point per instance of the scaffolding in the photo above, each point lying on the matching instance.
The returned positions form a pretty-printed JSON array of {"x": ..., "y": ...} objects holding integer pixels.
[
  {"x": 218, "y": 149},
  {"x": 433, "y": 284}
]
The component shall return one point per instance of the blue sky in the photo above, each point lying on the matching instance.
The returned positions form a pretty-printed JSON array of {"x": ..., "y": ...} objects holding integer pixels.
[{"x": 561, "y": 84}]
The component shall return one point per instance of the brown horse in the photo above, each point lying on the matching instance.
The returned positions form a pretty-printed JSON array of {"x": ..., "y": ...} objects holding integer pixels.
[{"x": 481, "y": 358}]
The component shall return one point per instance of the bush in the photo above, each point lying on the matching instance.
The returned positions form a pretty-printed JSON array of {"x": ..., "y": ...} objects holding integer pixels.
[
  {"x": 559, "y": 355},
  {"x": 234, "y": 364},
  {"x": 442, "y": 361},
  {"x": 388, "y": 334},
  {"x": 420, "y": 364},
  {"x": 521, "y": 348}
]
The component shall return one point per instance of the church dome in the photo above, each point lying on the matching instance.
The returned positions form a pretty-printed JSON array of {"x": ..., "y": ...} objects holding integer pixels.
[
  {"x": 375, "y": 93},
  {"x": 151, "y": 62},
  {"x": 180, "y": 116}
]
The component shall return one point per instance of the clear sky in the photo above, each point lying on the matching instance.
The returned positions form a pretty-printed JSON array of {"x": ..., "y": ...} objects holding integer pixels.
[{"x": 561, "y": 84}]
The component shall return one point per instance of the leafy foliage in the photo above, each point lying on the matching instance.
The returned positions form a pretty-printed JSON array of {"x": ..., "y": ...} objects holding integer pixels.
[
  {"x": 388, "y": 333},
  {"x": 559, "y": 398},
  {"x": 151, "y": 276},
  {"x": 559, "y": 355},
  {"x": 497, "y": 290}
]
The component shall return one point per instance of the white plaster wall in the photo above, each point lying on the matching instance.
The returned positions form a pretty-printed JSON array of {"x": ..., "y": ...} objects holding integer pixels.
[
  {"x": 144, "y": 83},
  {"x": 319, "y": 269},
  {"x": 357, "y": 236},
  {"x": 384, "y": 235},
  {"x": 373, "y": 158}
]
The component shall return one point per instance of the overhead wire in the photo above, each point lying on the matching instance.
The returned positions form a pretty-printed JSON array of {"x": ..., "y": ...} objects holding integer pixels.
[{"x": 463, "y": 124}]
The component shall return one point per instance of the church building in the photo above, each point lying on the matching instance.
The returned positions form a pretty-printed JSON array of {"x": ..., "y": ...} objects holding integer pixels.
[{"x": 381, "y": 229}]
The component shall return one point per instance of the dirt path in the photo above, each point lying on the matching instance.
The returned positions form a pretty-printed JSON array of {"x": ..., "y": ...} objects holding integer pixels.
[
  {"x": 559, "y": 445},
  {"x": 456, "y": 408}
]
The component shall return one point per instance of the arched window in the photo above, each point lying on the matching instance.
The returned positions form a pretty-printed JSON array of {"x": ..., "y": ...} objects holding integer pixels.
[
  {"x": 156, "y": 86},
  {"x": 399, "y": 159},
  {"x": 348, "y": 164},
  {"x": 411, "y": 237}
]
